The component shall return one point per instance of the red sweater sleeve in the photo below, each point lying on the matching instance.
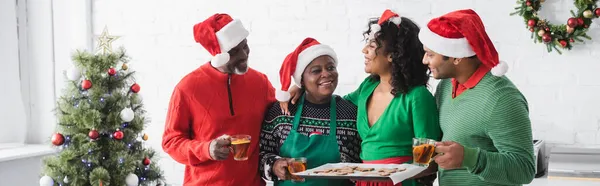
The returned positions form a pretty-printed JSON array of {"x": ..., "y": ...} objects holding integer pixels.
[{"x": 177, "y": 138}]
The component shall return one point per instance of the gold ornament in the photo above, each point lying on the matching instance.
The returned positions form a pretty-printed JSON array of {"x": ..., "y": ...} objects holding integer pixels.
[
  {"x": 124, "y": 66},
  {"x": 105, "y": 42},
  {"x": 145, "y": 137},
  {"x": 588, "y": 14},
  {"x": 541, "y": 33},
  {"x": 570, "y": 30}
]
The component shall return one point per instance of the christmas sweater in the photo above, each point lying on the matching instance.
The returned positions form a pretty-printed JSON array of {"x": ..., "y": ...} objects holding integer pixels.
[
  {"x": 491, "y": 121},
  {"x": 315, "y": 118},
  {"x": 207, "y": 104}
]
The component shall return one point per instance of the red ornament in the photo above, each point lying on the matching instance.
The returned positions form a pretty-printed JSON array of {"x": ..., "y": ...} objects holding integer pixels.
[
  {"x": 112, "y": 71},
  {"x": 580, "y": 21},
  {"x": 563, "y": 43},
  {"x": 531, "y": 23},
  {"x": 146, "y": 161},
  {"x": 135, "y": 88},
  {"x": 528, "y": 3},
  {"x": 597, "y": 12},
  {"x": 93, "y": 134},
  {"x": 58, "y": 139},
  {"x": 547, "y": 38},
  {"x": 86, "y": 84},
  {"x": 118, "y": 135},
  {"x": 572, "y": 22}
]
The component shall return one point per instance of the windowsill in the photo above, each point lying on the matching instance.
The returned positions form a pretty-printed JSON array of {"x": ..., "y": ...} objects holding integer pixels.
[{"x": 15, "y": 151}]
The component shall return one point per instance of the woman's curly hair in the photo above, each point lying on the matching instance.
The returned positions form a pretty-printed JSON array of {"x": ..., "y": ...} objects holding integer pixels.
[{"x": 407, "y": 53}]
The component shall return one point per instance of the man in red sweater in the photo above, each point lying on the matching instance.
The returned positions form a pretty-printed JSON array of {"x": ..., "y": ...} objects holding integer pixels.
[{"x": 221, "y": 98}]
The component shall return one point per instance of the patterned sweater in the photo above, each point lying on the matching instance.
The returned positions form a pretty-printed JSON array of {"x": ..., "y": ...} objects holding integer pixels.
[
  {"x": 315, "y": 117},
  {"x": 491, "y": 120}
]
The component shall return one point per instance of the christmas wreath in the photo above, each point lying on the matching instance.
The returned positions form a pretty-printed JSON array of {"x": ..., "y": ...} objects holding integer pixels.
[{"x": 555, "y": 36}]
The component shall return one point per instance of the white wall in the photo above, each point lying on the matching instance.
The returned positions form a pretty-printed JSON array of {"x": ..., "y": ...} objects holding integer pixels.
[
  {"x": 561, "y": 89},
  {"x": 12, "y": 111}
]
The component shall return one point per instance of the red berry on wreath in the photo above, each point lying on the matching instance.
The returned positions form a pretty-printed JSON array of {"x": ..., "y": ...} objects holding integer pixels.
[
  {"x": 585, "y": 26},
  {"x": 580, "y": 21},
  {"x": 572, "y": 22},
  {"x": 58, "y": 139},
  {"x": 531, "y": 23},
  {"x": 597, "y": 12},
  {"x": 118, "y": 135},
  {"x": 528, "y": 3},
  {"x": 547, "y": 38},
  {"x": 563, "y": 43},
  {"x": 112, "y": 71},
  {"x": 135, "y": 88},
  {"x": 146, "y": 161},
  {"x": 547, "y": 29},
  {"x": 531, "y": 29},
  {"x": 93, "y": 134},
  {"x": 86, "y": 84},
  {"x": 572, "y": 40}
]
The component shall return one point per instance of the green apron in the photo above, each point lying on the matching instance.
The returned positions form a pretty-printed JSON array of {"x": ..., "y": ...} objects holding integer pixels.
[{"x": 317, "y": 149}]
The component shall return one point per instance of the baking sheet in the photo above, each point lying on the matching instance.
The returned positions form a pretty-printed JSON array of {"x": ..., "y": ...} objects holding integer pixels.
[{"x": 411, "y": 170}]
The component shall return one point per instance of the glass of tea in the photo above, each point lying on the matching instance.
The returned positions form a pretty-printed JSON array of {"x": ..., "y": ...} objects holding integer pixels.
[
  {"x": 423, "y": 150},
  {"x": 297, "y": 165},
  {"x": 239, "y": 147}
]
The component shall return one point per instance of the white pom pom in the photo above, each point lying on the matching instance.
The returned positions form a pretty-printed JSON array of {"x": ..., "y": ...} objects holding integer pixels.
[
  {"x": 220, "y": 60},
  {"x": 396, "y": 20},
  {"x": 73, "y": 74},
  {"x": 66, "y": 180},
  {"x": 46, "y": 181},
  {"x": 127, "y": 115},
  {"x": 282, "y": 96},
  {"x": 375, "y": 28},
  {"x": 500, "y": 69},
  {"x": 131, "y": 180}
]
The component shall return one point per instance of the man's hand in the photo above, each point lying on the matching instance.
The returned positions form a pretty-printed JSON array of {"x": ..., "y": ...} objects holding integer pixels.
[
  {"x": 219, "y": 148},
  {"x": 280, "y": 168},
  {"x": 295, "y": 95},
  {"x": 450, "y": 154}
]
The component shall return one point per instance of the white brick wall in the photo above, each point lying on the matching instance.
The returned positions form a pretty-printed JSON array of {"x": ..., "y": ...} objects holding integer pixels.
[{"x": 562, "y": 90}]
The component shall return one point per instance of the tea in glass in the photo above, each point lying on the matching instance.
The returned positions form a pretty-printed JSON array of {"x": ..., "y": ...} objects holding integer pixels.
[
  {"x": 297, "y": 165},
  {"x": 239, "y": 146},
  {"x": 423, "y": 150}
]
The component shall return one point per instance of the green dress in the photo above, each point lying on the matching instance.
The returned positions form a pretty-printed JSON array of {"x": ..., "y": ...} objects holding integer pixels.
[{"x": 407, "y": 116}]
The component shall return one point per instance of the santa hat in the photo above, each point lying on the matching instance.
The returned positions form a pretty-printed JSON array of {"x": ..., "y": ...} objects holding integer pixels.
[
  {"x": 294, "y": 64},
  {"x": 387, "y": 16},
  {"x": 461, "y": 34},
  {"x": 218, "y": 34}
]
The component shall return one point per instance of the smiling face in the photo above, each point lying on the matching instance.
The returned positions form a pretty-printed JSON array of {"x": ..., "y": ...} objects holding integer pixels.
[
  {"x": 376, "y": 62},
  {"x": 441, "y": 67},
  {"x": 238, "y": 61},
  {"x": 320, "y": 77}
]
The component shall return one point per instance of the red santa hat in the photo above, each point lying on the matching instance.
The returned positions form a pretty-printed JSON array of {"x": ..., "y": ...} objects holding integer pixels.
[
  {"x": 294, "y": 64},
  {"x": 387, "y": 16},
  {"x": 218, "y": 34},
  {"x": 462, "y": 34}
]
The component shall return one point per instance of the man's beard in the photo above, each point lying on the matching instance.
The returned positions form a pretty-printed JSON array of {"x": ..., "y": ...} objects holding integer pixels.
[{"x": 240, "y": 72}]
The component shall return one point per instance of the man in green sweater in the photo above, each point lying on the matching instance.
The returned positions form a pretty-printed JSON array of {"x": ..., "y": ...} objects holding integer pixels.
[{"x": 484, "y": 118}]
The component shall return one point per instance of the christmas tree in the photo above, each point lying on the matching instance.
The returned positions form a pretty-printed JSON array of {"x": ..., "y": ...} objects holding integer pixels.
[{"x": 100, "y": 125}]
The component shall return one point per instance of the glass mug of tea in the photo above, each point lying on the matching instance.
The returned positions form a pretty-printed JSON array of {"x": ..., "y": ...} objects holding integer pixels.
[
  {"x": 423, "y": 151},
  {"x": 296, "y": 165},
  {"x": 239, "y": 147}
]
